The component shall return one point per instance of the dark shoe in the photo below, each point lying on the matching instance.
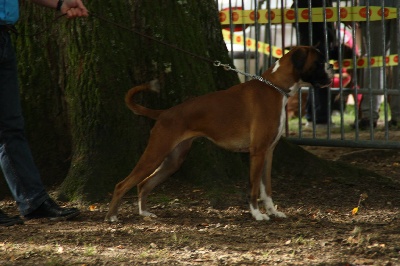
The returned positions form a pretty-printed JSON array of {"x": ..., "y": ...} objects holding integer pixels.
[
  {"x": 6, "y": 220},
  {"x": 364, "y": 124},
  {"x": 49, "y": 209}
]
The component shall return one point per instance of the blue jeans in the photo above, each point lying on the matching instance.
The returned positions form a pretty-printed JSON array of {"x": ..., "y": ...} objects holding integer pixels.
[{"x": 16, "y": 160}]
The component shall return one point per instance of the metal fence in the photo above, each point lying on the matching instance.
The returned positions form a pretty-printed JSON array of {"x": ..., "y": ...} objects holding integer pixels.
[{"x": 362, "y": 108}]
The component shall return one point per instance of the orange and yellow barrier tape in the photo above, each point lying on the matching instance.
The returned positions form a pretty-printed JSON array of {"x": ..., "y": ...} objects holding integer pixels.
[
  {"x": 277, "y": 52},
  {"x": 375, "y": 61},
  {"x": 250, "y": 43},
  {"x": 357, "y": 13}
]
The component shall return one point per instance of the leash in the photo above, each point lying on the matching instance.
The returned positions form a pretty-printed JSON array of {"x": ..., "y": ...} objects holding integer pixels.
[
  {"x": 13, "y": 29},
  {"x": 216, "y": 63},
  {"x": 150, "y": 37}
]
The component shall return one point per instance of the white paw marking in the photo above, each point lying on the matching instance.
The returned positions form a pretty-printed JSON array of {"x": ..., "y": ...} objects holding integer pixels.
[
  {"x": 258, "y": 215},
  {"x": 145, "y": 213},
  {"x": 269, "y": 206},
  {"x": 280, "y": 214}
]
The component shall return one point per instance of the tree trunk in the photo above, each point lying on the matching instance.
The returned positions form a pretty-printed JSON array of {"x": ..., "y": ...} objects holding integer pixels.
[{"x": 102, "y": 61}]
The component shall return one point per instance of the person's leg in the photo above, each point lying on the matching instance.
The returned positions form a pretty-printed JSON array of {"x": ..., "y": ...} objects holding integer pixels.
[
  {"x": 370, "y": 104},
  {"x": 321, "y": 106},
  {"x": 395, "y": 82},
  {"x": 321, "y": 103},
  {"x": 16, "y": 160},
  {"x": 374, "y": 79}
]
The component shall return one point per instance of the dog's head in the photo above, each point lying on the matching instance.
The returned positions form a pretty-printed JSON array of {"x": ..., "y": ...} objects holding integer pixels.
[{"x": 310, "y": 64}]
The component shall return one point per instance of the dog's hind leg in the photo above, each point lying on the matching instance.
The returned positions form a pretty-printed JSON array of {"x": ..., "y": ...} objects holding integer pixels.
[
  {"x": 154, "y": 154},
  {"x": 266, "y": 187},
  {"x": 169, "y": 166}
]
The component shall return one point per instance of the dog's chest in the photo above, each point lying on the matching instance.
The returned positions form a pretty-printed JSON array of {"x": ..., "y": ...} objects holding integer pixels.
[{"x": 282, "y": 121}]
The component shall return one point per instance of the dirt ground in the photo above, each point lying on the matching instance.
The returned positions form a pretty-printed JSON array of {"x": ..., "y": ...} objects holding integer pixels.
[{"x": 192, "y": 229}]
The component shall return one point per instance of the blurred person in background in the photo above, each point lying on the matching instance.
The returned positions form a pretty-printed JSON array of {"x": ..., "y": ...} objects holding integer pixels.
[{"x": 369, "y": 112}]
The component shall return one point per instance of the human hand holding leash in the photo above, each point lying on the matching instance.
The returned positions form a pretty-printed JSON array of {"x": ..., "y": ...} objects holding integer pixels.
[{"x": 72, "y": 8}]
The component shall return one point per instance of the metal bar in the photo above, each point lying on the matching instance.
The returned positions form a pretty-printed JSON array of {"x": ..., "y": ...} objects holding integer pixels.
[
  {"x": 327, "y": 48},
  {"x": 245, "y": 54},
  {"x": 361, "y": 91},
  {"x": 384, "y": 81},
  {"x": 355, "y": 73},
  {"x": 371, "y": 99},
  {"x": 257, "y": 35},
  {"x": 376, "y": 144}
]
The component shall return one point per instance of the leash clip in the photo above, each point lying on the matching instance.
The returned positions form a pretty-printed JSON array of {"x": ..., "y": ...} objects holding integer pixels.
[
  {"x": 217, "y": 63},
  {"x": 227, "y": 67}
]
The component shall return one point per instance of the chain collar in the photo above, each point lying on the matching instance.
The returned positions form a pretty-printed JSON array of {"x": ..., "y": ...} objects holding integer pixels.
[
  {"x": 227, "y": 67},
  {"x": 281, "y": 91}
]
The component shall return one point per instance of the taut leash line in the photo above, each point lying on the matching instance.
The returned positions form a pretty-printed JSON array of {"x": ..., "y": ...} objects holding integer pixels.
[
  {"x": 150, "y": 37},
  {"x": 216, "y": 63}
]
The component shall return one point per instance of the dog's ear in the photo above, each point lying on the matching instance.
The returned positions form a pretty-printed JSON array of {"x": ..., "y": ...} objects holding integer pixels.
[{"x": 299, "y": 58}]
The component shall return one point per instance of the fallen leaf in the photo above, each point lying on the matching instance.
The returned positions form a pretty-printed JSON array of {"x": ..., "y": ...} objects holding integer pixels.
[
  {"x": 311, "y": 257},
  {"x": 60, "y": 250}
]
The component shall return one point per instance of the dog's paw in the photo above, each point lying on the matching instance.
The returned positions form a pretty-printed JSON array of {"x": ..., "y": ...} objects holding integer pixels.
[
  {"x": 112, "y": 219},
  {"x": 258, "y": 215},
  {"x": 279, "y": 214},
  {"x": 148, "y": 214},
  {"x": 273, "y": 211},
  {"x": 261, "y": 217}
]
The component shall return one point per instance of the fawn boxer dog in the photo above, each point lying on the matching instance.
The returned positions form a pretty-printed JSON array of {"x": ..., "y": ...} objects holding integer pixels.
[{"x": 248, "y": 117}]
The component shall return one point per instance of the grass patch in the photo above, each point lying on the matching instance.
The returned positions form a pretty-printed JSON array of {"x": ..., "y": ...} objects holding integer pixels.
[
  {"x": 347, "y": 119},
  {"x": 342, "y": 121}
]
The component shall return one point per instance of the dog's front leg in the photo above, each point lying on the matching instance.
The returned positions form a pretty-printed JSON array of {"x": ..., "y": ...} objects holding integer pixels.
[
  {"x": 256, "y": 169},
  {"x": 266, "y": 187}
]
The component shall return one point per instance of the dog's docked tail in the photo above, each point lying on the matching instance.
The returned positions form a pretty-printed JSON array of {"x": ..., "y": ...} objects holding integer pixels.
[{"x": 153, "y": 85}]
